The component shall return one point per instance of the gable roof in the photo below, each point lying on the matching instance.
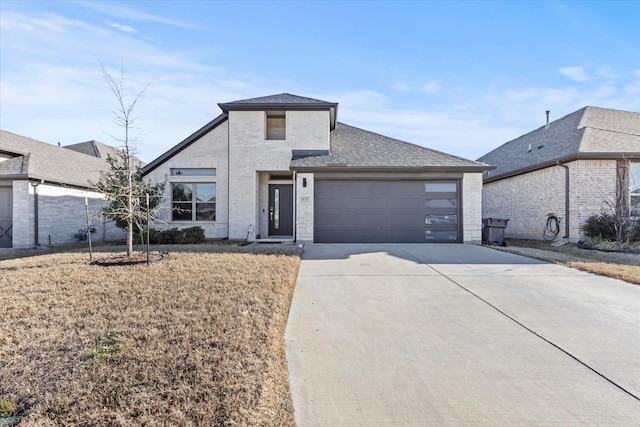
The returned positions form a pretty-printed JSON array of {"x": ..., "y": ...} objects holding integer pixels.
[
  {"x": 34, "y": 159},
  {"x": 352, "y": 147},
  {"x": 591, "y": 132},
  {"x": 185, "y": 143},
  {"x": 283, "y": 101},
  {"x": 278, "y": 100},
  {"x": 94, "y": 148}
]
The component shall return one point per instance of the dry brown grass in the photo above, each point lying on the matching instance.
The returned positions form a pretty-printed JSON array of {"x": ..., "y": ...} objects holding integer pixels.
[
  {"x": 197, "y": 339},
  {"x": 621, "y": 266},
  {"x": 628, "y": 273}
]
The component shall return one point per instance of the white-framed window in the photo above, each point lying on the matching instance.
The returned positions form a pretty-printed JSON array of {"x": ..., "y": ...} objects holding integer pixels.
[
  {"x": 276, "y": 128},
  {"x": 193, "y": 201},
  {"x": 634, "y": 189},
  {"x": 193, "y": 172}
]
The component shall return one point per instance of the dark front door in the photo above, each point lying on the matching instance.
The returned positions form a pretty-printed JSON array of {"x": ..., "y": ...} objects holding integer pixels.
[{"x": 280, "y": 210}]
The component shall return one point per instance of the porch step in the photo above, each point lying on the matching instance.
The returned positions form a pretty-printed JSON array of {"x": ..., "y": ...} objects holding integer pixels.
[{"x": 279, "y": 239}]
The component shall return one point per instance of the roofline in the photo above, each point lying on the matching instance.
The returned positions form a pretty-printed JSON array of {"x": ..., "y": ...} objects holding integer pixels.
[
  {"x": 390, "y": 168},
  {"x": 185, "y": 143},
  {"x": 41, "y": 180},
  {"x": 317, "y": 106},
  {"x": 563, "y": 160},
  {"x": 227, "y": 106}
]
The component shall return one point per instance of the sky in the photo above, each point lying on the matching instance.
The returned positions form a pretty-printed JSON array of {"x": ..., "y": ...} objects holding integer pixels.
[{"x": 459, "y": 77}]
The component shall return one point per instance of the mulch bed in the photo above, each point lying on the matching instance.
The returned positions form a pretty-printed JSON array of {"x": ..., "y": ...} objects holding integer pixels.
[{"x": 135, "y": 258}]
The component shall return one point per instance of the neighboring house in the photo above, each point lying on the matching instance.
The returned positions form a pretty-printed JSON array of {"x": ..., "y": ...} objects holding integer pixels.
[
  {"x": 574, "y": 167},
  {"x": 43, "y": 190},
  {"x": 282, "y": 168}
]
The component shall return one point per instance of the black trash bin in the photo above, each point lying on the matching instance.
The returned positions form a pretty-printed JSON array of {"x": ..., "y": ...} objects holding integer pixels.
[{"x": 493, "y": 231}]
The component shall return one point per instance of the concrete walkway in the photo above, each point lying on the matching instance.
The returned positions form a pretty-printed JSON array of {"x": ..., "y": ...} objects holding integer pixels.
[{"x": 382, "y": 335}]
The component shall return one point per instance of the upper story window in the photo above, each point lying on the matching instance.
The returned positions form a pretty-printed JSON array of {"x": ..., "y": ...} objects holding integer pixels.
[
  {"x": 276, "y": 125},
  {"x": 193, "y": 172}
]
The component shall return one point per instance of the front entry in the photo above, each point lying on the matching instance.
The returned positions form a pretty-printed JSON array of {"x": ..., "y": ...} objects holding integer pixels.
[{"x": 280, "y": 210}]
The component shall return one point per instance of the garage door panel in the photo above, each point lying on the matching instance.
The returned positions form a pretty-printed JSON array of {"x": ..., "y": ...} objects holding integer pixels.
[{"x": 351, "y": 211}]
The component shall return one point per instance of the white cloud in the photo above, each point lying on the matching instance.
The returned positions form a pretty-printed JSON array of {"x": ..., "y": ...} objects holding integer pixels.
[
  {"x": 574, "y": 73},
  {"x": 125, "y": 28},
  {"x": 429, "y": 87},
  {"x": 118, "y": 10}
]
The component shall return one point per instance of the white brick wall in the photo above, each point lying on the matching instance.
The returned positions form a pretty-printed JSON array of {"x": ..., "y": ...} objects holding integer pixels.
[
  {"x": 250, "y": 153},
  {"x": 472, "y": 207},
  {"x": 304, "y": 202},
  {"x": 527, "y": 199},
  {"x": 61, "y": 213},
  {"x": 210, "y": 151}
]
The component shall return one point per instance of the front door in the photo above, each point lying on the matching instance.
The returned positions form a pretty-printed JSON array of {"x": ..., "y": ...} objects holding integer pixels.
[
  {"x": 6, "y": 208},
  {"x": 280, "y": 210}
]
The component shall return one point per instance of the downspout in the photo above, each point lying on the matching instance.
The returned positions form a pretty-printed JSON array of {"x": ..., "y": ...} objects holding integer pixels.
[
  {"x": 35, "y": 213},
  {"x": 566, "y": 199},
  {"x": 295, "y": 206}
]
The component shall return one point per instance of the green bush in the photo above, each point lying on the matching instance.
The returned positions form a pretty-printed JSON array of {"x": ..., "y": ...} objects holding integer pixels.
[
  {"x": 192, "y": 236},
  {"x": 601, "y": 226},
  {"x": 174, "y": 236}
]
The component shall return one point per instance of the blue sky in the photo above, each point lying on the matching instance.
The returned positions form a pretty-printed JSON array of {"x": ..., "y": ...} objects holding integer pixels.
[{"x": 460, "y": 77}]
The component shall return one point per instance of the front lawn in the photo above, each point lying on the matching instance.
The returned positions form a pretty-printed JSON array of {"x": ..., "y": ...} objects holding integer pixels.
[{"x": 196, "y": 339}]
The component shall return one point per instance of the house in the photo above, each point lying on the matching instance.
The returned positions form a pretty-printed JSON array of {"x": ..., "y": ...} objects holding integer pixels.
[
  {"x": 282, "y": 167},
  {"x": 43, "y": 189},
  {"x": 569, "y": 169}
]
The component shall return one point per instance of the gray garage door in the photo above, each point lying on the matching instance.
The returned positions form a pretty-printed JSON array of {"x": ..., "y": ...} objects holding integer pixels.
[{"x": 375, "y": 211}]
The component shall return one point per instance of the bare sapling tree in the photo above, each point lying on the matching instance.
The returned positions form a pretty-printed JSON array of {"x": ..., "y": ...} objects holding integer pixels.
[{"x": 122, "y": 183}]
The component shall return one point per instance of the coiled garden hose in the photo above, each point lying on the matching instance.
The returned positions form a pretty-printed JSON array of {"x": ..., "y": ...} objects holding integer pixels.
[{"x": 551, "y": 228}]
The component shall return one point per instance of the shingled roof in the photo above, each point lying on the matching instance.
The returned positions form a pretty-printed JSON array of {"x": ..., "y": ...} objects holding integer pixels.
[
  {"x": 283, "y": 101},
  {"x": 591, "y": 132},
  {"x": 356, "y": 148},
  {"x": 278, "y": 100},
  {"x": 94, "y": 148},
  {"x": 38, "y": 160}
]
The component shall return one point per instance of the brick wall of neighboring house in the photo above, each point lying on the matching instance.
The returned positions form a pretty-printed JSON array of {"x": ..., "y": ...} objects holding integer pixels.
[
  {"x": 527, "y": 199},
  {"x": 22, "y": 226},
  {"x": 472, "y": 207},
  {"x": 61, "y": 213},
  {"x": 595, "y": 184},
  {"x": 210, "y": 151},
  {"x": 250, "y": 153},
  {"x": 304, "y": 202}
]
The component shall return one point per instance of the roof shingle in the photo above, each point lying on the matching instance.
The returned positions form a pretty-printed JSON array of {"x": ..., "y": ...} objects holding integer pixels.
[
  {"x": 589, "y": 131},
  {"x": 39, "y": 160},
  {"x": 357, "y": 148}
]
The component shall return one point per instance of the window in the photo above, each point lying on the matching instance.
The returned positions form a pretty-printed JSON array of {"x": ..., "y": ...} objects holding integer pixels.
[
  {"x": 634, "y": 189},
  {"x": 276, "y": 126},
  {"x": 193, "y": 172},
  {"x": 193, "y": 202},
  {"x": 441, "y": 210}
]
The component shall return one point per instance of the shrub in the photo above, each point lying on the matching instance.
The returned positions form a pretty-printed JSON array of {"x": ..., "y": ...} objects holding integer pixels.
[
  {"x": 601, "y": 226},
  {"x": 192, "y": 236},
  {"x": 606, "y": 226},
  {"x": 174, "y": 236}
]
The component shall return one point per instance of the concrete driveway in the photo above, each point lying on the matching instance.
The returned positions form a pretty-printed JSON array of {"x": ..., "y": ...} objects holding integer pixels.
[{"x": 413, "y": 334}]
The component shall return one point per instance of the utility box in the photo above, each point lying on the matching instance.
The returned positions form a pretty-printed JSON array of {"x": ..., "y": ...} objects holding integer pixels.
[{"x": 493, "y": 231}]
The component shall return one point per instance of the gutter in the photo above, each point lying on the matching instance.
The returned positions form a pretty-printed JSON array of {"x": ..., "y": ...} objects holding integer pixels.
[
  {"x": 566, "y": 199},
  {"x": 566, "y": 159}
]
